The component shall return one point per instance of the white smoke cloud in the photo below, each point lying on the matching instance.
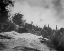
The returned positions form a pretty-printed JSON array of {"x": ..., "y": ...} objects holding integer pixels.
[{"x": 40, "y": 12}]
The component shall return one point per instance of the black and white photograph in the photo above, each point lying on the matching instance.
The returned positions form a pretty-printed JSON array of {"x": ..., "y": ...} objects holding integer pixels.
[{"x": 31, "y": 25}]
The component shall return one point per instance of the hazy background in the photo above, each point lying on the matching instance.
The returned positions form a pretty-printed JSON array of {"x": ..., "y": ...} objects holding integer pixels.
[{"x": 40, "y": 12}]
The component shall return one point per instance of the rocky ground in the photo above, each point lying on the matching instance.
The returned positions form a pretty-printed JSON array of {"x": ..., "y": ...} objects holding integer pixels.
[{"x": 13, "y": 41}]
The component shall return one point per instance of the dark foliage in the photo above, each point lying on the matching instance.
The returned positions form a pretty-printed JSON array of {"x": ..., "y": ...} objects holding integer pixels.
[
  {"x": 22, "y": 30},
  {"x": 17, "y": 19},
  {"x": 7, "y": 26}
]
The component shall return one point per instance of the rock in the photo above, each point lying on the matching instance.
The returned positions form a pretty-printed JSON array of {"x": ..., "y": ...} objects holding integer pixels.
[{"x": 24, "y": 41}]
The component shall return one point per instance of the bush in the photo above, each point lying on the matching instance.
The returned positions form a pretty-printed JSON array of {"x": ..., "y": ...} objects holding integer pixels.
[{"x": 58, "y": 41}]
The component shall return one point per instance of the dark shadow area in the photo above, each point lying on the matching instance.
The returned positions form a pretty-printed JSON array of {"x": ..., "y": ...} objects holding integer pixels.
[{"x": 2, "y": 46}]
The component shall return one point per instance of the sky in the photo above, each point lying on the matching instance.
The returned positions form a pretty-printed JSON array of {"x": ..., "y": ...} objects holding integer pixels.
[{"x": 40, "y": 12}]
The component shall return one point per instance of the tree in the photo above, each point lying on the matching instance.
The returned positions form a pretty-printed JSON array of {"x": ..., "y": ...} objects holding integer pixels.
[{"x": 17, "y": 19}]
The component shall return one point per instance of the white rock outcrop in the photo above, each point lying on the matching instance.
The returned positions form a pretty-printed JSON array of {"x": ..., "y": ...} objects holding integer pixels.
[{"x": 24, "y": 40}]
